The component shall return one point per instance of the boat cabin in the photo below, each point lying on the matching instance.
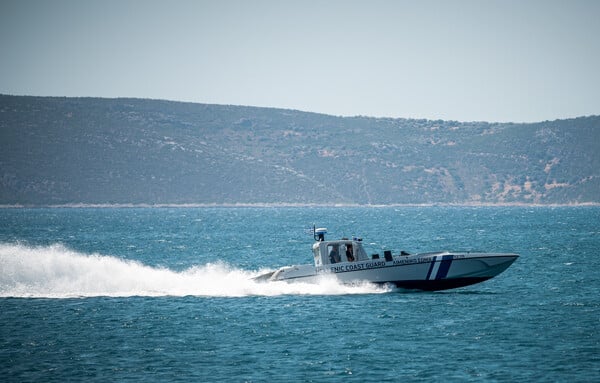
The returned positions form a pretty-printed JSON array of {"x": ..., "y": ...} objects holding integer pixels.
[{"x": 344, "y": 250}]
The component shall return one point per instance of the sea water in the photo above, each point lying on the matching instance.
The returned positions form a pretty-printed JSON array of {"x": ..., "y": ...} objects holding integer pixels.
[{"x": 166, "y": 294}]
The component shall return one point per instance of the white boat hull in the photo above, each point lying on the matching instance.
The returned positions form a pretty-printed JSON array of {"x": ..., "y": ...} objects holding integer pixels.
[{"x": 431, "y": 271}]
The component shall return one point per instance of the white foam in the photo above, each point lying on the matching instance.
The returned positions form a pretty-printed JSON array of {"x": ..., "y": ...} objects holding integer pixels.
[{"x": 58, "y": 272}]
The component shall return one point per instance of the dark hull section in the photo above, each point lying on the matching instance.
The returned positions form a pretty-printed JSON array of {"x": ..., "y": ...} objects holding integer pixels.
[{"x": 440, "y": 284}]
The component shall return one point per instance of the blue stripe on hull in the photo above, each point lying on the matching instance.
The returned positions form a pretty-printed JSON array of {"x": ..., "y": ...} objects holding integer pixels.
[
  {"x": 444, "y": 267},
  {"x": 430, "y": 270}
]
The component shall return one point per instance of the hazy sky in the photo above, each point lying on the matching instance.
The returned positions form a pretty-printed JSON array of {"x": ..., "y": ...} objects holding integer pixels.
[{"x": 461, "y": 60}]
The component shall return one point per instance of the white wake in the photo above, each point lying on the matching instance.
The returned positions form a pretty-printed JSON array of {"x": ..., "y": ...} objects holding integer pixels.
[{"x": 58, "y": 272}]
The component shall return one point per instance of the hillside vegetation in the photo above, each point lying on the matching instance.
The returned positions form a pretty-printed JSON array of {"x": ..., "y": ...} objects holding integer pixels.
[{"x": 122, "y": 151}]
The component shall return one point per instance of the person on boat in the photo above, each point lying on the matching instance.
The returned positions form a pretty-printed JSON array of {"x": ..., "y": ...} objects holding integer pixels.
[
  {"x": 334, "y": 255},
  {"x": 349, "y": 253}
]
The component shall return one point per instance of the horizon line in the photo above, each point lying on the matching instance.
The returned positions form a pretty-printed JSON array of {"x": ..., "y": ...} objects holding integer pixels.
[
  {"x": 284, "y": 205},
  {"x": 299, "y": 110}
]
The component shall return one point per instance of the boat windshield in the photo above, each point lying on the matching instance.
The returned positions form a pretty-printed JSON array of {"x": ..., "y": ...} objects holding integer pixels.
[
  {"x": 338, "y": 251},
  {"x": 346, "y": 252},
  {"x": 333, "y": 250}
]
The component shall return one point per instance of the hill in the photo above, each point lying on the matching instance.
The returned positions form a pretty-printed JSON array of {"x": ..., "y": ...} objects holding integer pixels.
[{"x": 122, "y": 151}]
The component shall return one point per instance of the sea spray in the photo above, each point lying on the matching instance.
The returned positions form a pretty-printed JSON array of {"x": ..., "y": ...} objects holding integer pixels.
[{"x": 58, "y": 272}]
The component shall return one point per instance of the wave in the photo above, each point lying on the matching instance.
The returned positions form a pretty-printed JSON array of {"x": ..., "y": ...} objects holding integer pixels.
[{"x": 58, "y": 272}]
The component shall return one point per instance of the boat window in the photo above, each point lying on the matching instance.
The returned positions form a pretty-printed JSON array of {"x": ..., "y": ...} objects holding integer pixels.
[
  {"x": 359, "y": 252},
  {"x": 350, "y": 253},
  {"x": 334, "y": 253}
]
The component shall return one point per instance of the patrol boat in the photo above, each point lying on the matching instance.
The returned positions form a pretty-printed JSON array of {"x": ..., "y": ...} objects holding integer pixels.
[{"x": 348, "y": 261}]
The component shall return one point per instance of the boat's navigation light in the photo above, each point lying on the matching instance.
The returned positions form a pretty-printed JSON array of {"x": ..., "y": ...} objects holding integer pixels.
[{"x": 319, "y": 234}]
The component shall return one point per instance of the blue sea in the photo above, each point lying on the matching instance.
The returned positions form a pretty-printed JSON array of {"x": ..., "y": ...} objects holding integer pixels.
[{"x": 166, "y": 295}]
